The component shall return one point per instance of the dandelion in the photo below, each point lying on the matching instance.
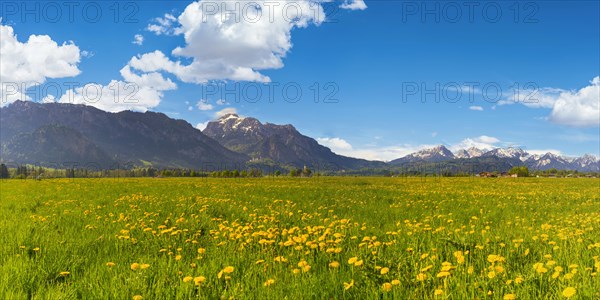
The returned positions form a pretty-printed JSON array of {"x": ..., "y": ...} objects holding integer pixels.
[
  {"x": 269, "y": 282},
  {"x": 64, "y": 274},
  {"x": 135, "y": 266},
  {"x": 178, "y": 257},
  {"x": 110, "y": 264},
  {"x": 438, "y": 292},
  {"x": 443, "y": 274},
  {"x": 198, "y": 280},
  {"x": 348, "y": 285},
  {"x": 519, "y": 280},
  {"x": 510, "y": 297},
  {"x": 188, "y": 279},
  {"x": 386, "y": 287},
  {"x": 144, "y": 266},
  {"x": 359, "y": 263},
  {"x": 395, "y": 282},
  {"x": 569, "y": 292},
  {"x": 137, "y": 297},
  {"x": 334, "y": 264},
  {"x": 421, "y": 276},
  {"x": 352, "y": 260},
  {"x": 384, "y": 271},
  {"x": 201, "y": 250}
]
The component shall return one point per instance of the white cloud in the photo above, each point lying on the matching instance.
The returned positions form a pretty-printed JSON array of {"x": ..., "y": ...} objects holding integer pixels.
[
  {"x": 481, "y": 142},
  {"x": 163, "y": 25},
  {"x": 335, "y": 144},
  {"x": 221, "y": 102},
  {"x": 578, "y": 109},
  {"x": 204, "y": 105},
  {"x": 25, "y": 65},
  {"x": 354, "y": 5},
  {"x": 534, "y": 97},
  {"x": 572, "y": 108},
  {"x": 477, "y": 108},
  {"x": 223, "y": 48},
  {"x": 226, "y": 111},
  {"x": 387, "y": 153},
  {"x": 136, "y": 92},
  {"x": 138, "y": 39},
  {"x": 202, "y": 126}
]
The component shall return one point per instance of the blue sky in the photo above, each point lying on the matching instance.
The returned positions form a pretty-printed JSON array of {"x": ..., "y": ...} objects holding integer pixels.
[{"x": 378, "y": 63}]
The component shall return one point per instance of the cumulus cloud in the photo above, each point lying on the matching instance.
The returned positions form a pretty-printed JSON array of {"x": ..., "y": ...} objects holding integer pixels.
[
  {"x": 225, "y": 46},
  {"x": 137, "y": 92},
  {"x": 204, "y": 105},
  {"x": 27, "y": 64},
  {"x": 354, "y": 5},
  {"x": 335, "y": 144},
  {"x": 477, "y": 108},
  {"x": 580, "y": 108},
  {"x": 138, "y": 39},
  {"x": 164, "y": 25}
]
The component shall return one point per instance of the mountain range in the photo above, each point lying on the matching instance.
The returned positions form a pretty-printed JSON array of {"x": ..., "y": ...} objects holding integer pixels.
[{"x": 59, "y": 135}]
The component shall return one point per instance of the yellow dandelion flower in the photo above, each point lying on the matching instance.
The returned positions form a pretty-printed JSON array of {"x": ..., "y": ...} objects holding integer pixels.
[
  {"x": 510, "y": 297},
  {"x": 178, "y": 257},
  {"x": 269, "y": 282},
  {"x": 386, "y": 287},
  {"x": 137, "y": 297},
  {"x": 395, "y": 282},
  {"x": 421, "y": 276},
  {"x": 519, "y": 280},
  {"x": 334, "y": 264},
  {"x": 135, "y": 266},
  {"x": 384, "y": 271},
  {"x": 201, "y": 250},
  {"x": 359, "y": 263},
  {"x": 144, "y": 266},
  {"x": 438, "y": 292},
  {"x": 442, "y": 274},
  {"x": 110, "y": 264},
  {"x": 64, "y": 274},
  {"x": 188, "y": 278},
  {"x": 569, "y": 292},
  {"x": 348, "y": 285},
  {"x": 352, "y": 260},
  {"x": 198, "y": 280},
  {"x": 296, "y": 271},
  {"x": 228, "y": 270}
]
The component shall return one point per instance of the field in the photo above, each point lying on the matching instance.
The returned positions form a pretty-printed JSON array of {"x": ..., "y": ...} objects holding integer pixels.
[{"x": 298, "y": 238}]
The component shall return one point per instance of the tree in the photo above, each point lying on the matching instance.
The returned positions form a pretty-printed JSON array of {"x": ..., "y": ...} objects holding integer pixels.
[
  {"x": 277, "y": 173},
  {"x": 521, "y": 171}
]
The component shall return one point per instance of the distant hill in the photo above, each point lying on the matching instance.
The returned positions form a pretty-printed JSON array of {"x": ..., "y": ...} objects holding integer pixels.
[
  {"x": 53, "y": 133},
  {"x": 498, "y": 159},
  {"x": 280, "y": 143}
]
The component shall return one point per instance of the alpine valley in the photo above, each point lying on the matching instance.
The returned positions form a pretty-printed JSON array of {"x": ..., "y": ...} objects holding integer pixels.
[{"x": 59, "y": 135}]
